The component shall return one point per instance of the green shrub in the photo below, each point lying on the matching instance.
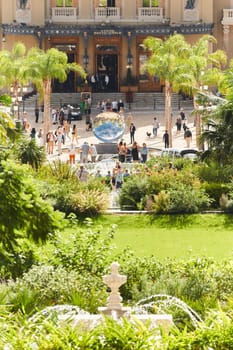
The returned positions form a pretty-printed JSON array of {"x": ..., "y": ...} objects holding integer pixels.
[
  {"x": 87, "y": 250},
  {"x": 89, "y": 203},
  {"x": 214, "y": 173},
  {"x": 58, "y": 170},
  {"x": 215, "y": 191},
  {"x": 28, "y": 152},
  {"x": 181, "y": 199},
  {"x": 46, "y": 285},
  {"x": 14, "y": 264},
  {"x": 133, "y": 192}
]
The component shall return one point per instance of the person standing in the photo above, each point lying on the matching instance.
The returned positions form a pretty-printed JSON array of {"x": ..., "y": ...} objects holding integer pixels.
[
  {"x": 84, "y": 152},
  {"x": 72, "y": 154},
  {"x": 93, "y": 153},
  {"x": 182, "y": 115},
  {"x": 59, "y": 139},
  {"x": 37, "y": 112},
  {"x": 144, "y": 152},
  {"x": 155, "y": 127},
  {"x": 120, "y": 106},
  {"x": 33, "y": 133},
  {"x": 188, "y": 137},
  {"x": 166, "y": 139},
  {"x": 50, "y": 141},
  {"x": 135, "y": 152},
  {"x": 129, "y": 120},
  {"x": 82, "y": 174},
  {"x": 132, "y": 130}
]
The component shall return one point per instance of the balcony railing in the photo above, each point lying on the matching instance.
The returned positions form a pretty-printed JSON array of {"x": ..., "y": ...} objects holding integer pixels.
[
  {"x": 154, "y": 14},
  {"x": 227, "y": 17},
  {"x": 64, "y": 14},
  {"x": 110, "y": 13}
]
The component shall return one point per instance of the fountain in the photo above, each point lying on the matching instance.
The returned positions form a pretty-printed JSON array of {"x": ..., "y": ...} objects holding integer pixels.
[{"x": 114, "y": 308}]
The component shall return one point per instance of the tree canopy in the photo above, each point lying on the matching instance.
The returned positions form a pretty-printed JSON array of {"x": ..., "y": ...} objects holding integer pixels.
[
  {"x": 182, "y": 66},
  {"x": 23, "y": 213}
]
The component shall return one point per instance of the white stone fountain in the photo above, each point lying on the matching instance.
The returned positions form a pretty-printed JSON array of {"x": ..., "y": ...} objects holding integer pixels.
[{"x": 114, "y": 308}]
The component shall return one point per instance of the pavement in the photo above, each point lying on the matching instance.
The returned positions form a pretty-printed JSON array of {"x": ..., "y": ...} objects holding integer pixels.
[{"x": 143, "y": 120}]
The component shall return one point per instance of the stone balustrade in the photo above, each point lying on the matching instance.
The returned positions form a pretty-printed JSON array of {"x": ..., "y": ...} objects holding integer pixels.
[
  {"x": 64, "y": 14},
  {"x": 110, "y": 13},
  {"x": 149, "y": 14},
  {"x": 227, "y": 17}
]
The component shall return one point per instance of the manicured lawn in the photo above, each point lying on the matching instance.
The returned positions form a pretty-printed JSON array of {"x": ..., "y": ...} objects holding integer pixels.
[{"x": 174, "y": 236}]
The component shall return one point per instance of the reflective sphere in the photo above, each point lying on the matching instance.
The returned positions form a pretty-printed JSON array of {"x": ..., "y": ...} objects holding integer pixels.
[{"x": 109, "y": 126}]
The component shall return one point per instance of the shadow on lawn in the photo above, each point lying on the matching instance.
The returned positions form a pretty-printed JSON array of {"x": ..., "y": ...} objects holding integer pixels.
[
  {"x": 174, "y": 221},
  {"x": 228, "y": 220}
]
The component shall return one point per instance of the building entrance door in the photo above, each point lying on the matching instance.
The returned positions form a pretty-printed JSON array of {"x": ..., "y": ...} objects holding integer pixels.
[{"x": 106, "y": 73}]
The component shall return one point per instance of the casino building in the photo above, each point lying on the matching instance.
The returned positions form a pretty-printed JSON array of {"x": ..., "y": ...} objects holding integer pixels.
[{"x": 106, "y": 36}]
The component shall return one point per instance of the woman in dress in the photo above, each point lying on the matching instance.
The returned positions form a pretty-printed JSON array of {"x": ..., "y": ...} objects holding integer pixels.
[{"x": 135, "y": 152}]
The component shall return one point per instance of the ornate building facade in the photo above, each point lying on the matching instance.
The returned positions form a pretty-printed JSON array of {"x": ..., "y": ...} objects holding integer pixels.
[{"x": 106, "y": 36}]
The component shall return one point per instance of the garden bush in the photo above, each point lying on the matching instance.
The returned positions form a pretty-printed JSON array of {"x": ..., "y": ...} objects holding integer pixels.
[
  {"x": 133, "y": 193},
  {"x": 86, "y": 250},
  {"x": 215, "y": 191},
  {"x": 46, "y": 285},
  {"x": 181, "y": 199}
]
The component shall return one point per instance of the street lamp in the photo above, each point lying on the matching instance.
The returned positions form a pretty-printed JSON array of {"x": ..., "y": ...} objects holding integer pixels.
[{"x": 85, "y": 56}]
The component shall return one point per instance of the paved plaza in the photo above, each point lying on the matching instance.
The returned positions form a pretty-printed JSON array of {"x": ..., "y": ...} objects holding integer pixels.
[{"x": 143, "y": 121}]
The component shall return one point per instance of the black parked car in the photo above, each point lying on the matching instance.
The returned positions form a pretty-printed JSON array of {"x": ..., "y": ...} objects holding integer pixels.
[{"x": 74, "y": 111}]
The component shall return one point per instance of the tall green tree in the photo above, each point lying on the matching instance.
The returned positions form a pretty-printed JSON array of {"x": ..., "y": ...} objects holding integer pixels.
[
  {"x": 207, "y": 68},
  {"x": 42, "y": 68},
  {"x": 219, "y": 131},
  {"x": 12, "y": 68},
  {"x": 184, "y": 67},
  {"x": 168, "y": 61}
]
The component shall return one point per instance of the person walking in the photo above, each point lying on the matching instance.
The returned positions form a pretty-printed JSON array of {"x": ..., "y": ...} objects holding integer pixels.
[
  {"x": 178, "y": 125},
  {"x": 155, "y": 127},
  {"x": 132, "y": 130},
  {"x": 188, "y": 137},
  {"x": 74, "y": 134},
  {"x": 182, "y": 115},
  {"x": 166, "y": 139}
]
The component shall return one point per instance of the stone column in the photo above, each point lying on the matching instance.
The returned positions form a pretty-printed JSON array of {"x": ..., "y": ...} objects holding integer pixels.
[{"x": 226, "y": 32}]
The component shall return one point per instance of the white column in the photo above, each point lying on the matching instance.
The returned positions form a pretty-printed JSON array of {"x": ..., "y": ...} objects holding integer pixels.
[
  {"x": 47, "y": 10},
  {"x": 226, "y": 31}
]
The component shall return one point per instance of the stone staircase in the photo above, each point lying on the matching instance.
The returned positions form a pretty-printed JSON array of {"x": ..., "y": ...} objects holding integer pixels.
[{"x": 140, "y": 101}]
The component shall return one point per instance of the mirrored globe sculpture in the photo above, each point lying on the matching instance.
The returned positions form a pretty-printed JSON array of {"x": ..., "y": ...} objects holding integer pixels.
[{"x": 109, "y": 126}]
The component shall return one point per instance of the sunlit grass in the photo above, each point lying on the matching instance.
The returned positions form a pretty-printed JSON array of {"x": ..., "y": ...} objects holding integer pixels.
[{"x": 176, "y": 236}]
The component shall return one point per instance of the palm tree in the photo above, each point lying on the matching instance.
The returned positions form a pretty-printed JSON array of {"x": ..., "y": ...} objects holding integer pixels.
[
  {"x": 42, "y": 68},
  {"x": 183, "y": 67},
  {"x": 206, "y": 67},
  {"x": 12, "y": 67},
  {"x": 219, "y": 134},
  {"x": 168, "y": 61}
]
